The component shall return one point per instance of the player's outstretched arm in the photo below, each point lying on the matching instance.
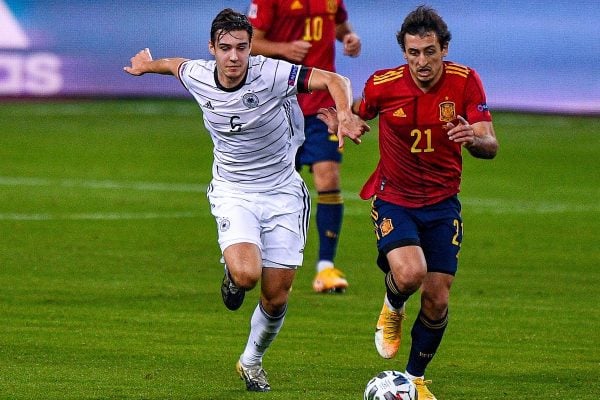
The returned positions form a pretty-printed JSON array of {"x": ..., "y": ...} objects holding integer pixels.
[
  {"x": 142, "y": 63},
  {"x": 349, "y": 124}
]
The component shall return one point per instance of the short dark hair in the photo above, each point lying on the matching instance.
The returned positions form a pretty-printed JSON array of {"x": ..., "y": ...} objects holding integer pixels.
[
  {"x": 227, "y": 21},
  {"x": 422, "y": 20}
]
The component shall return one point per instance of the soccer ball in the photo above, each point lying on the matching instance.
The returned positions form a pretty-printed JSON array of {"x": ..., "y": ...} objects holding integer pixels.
[{"x": 390, "y": 385}]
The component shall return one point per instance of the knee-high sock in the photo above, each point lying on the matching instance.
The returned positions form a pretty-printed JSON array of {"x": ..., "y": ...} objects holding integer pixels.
[
  {"x": 394, "y": 296},
  {"x": 426, "y": 337},
  {"x": 263, "y": 330},
  {"x": 330, "y": 210}
]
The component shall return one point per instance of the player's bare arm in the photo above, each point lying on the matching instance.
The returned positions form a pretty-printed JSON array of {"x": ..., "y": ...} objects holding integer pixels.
[
  {"x": 350, "y": 40},
  {"x": 479, "y": 138},
  {"x": 340, "y": 89},
  {"x": 143, "y": 63},
  {"x": 294, "y": 51}
]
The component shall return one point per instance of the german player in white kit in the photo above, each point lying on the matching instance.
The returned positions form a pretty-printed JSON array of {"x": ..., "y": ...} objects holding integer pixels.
[{"x": 259, "y": 201}]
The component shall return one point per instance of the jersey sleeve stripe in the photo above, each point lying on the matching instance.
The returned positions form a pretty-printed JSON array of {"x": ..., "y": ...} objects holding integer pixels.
[{"x": 304, "y": 79}]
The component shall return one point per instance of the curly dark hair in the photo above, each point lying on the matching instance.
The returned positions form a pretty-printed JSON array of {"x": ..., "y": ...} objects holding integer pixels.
[
  {"x": 422, "y": 20},
  {"x": 227, "y": 21}
]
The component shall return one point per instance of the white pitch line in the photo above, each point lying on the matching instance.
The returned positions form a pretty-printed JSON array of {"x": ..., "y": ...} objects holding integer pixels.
[
  {"x": 99, "y": 216},
  {"x": 472, "y": 204},
  {"x": 92, "y": 184},
  {"x": 500, "y": 206}
]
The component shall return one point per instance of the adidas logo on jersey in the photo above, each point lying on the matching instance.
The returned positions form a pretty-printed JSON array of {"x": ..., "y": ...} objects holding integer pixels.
[
  {"x": 209, "y": 105},
  {"x": 296, "y": 5},
  {"x": 399, "y": 113}
]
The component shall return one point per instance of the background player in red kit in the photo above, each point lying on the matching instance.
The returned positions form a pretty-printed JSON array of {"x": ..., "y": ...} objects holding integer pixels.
[
  {"x": 429, "y": 109},
  {"x": 305, "y": 31}
]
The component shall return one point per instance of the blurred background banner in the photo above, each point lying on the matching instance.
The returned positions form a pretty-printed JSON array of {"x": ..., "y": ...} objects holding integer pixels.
[{"x": 540, "y": 56}]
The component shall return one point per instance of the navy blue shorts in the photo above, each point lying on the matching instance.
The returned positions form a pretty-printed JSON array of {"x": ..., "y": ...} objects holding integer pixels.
[
  {"x": 437, "y": 229},
  {"x": 319, "y": 145}
]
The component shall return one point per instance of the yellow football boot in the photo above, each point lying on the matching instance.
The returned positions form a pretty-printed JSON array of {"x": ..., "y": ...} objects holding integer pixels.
[
  {"x": 330, "y": 280},
  {"x": 388, "y": 332}
]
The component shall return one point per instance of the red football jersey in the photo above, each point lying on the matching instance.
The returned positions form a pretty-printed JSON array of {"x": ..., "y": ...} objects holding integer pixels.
[
  {"x": 418, "y": 164},
  {"x": 311, "y": 20}
]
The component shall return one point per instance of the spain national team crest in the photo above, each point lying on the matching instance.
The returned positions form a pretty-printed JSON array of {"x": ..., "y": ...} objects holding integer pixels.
[
  {"x": 386, "y": 227},
  {"x": 447, "y": 111}
]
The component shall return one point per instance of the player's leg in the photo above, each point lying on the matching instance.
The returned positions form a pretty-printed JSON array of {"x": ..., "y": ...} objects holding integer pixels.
[
  {"x": 266, "y": 322},
  {"x": 406, "y": 271},
  {"x": 403, "y": 262},
  {"x": 320, "y": 151},
  {"x": 330, "y": 209},
  {"x": 239, "y": 239},
  {"x": 441, "y": 244},
  {"x": 284, "y": 239},
  {"x": 269, "y": 313},
  {"x": 243, "y": 267},
  {"x": 428, "y": 329}
]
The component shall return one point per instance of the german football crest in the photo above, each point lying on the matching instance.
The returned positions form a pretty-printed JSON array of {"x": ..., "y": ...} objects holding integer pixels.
[
  {"x": 250, "y": 100},
  {"x": 224, "y": 224},
  {"x": 447, "y": 111}
]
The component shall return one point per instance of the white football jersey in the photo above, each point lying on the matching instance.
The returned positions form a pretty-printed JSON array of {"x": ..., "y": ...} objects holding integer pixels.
[{"x": 256, "y": 128}]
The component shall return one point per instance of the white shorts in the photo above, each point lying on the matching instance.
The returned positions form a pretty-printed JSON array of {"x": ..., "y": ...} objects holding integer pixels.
[{"x": 277, "y": 222}]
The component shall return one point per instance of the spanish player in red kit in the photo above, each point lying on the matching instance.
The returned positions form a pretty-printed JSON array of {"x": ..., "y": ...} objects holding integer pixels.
[
  {"x": 305, "y": 31},
  {"x": 429, "y": 109}
]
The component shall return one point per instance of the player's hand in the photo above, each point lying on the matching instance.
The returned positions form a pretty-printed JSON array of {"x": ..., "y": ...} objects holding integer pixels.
[
  {"x": 351, "y": 126},
  {"x": 138, "y": 62},
  {"x": 297, "y": 50},
  {"x": 352, "y": 44},
  {"x": 461, "y": 132},
  {"x": 329, "y": 117}
]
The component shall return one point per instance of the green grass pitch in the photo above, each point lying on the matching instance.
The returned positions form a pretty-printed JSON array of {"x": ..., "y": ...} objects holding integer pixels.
[{"x": 110, "y": 274}]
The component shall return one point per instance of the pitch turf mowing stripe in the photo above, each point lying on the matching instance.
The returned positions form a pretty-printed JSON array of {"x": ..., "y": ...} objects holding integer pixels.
[
  {"x": 99, "y": 216},
  {"x": 475, "y": 205},
  {"x": 91, "y": 184}
]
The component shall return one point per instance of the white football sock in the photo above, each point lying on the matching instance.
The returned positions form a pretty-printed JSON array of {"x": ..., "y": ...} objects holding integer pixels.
[
  {"x": 412, "y": 377},
  {"x": 390, "y": 306},
  {"x": 263, "y": 330},
  {"x": 324, "y": 264}
]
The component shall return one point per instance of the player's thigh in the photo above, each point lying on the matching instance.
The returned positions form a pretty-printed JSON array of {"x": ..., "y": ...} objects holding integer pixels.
[
  {"x": 408, "y": 266},
  {"x": 319, "y": 145},
  {"x": 244, "y": 262},
  {"x": 394, "y": 226},
  {"x": 284, "y": 239},
  {"x": 238, "y": 219},
  {"x": 441, "y": 239}
]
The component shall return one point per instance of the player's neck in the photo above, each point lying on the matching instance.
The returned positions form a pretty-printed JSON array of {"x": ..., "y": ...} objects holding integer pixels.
[{"x": 229, "y": 84}]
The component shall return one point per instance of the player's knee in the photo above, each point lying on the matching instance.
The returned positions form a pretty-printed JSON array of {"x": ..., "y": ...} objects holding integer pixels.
[
  {"x": 434, "y": 304},
  {"x": 408, "y": 277},
  {"x": 246, "y": 278},
  {"x": 274, "y": 306}
]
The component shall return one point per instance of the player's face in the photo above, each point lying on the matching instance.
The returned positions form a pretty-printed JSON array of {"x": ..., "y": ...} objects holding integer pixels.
[
  {"x": 425, "y": 57},
  {"x": 231, "y": 52}
]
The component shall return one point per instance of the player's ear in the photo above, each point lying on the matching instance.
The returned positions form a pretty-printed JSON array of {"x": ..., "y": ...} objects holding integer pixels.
[
  {"x": 211, "y": 47},
  {"x": 445, "y": 50}
]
